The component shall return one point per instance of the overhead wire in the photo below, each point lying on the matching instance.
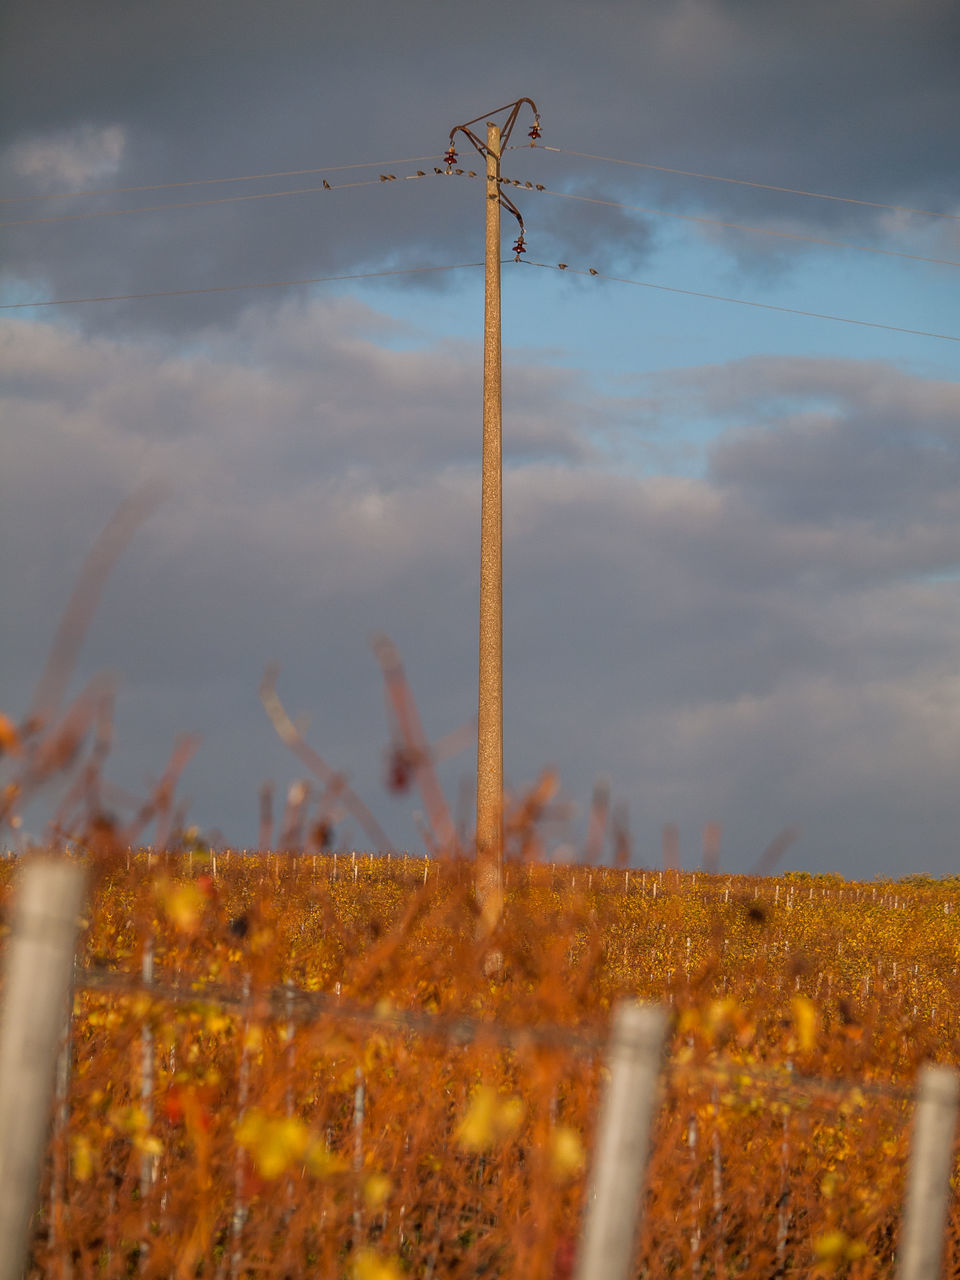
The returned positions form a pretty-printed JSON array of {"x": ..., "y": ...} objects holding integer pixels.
[
  {"x": 214, "y": 200},
  {"x": 737, "y": 226},
  {"x": 744, "y": 182},
  {"x": 228, "y": 288},
  {"x": 458, "y": 266},
  {"x": 243, "y": 177},
  {"x": 514, "y": 182},
  {"x": 507, "y": 182},
  {"x": 742, "y": 302}
]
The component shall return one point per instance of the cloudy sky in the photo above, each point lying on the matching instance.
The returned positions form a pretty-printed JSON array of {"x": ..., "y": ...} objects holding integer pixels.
[{"x": 732, "y": 533}]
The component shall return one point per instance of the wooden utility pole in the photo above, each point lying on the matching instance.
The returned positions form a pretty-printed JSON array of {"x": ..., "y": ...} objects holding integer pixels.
[
  {"x": 489, "y": 872},
  {"x": 490, "y": 685}
]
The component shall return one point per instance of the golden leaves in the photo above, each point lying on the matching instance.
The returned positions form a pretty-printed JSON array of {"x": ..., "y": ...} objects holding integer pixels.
[
  {"x": 376, "y": 1191},
  {"x": 390, "y": 1158},
  {"x": 806, "y": 1023},
  {"x": 370, "y": 1265},
  {"x": 277, "y": 1143},
  {"x": 837, "y": 1248},
  {"x": 182, "y": 902},
  {"x": 490, "y": 1119},
  {"x": 568, "y": 1158}
]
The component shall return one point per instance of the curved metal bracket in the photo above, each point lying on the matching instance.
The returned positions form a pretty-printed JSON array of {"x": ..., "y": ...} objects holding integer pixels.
[{"x": 481, "y": 147}]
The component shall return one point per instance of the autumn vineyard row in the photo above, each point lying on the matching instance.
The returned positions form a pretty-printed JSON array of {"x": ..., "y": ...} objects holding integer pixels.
[{"x": 294, "y": 1065}]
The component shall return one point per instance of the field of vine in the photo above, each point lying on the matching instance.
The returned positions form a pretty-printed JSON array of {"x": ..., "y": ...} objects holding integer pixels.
[{"x": 293, "y": 1065}]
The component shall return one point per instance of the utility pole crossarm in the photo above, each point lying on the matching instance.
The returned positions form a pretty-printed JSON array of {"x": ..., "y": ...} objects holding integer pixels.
[{"x": 533, "y": 133}]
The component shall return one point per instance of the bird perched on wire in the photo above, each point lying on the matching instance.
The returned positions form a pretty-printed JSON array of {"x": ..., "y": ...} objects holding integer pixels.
[{"x": 326, "y": 185}]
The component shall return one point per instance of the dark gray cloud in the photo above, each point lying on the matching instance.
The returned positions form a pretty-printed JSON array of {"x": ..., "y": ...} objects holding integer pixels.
[
  {"x": 750, "y": 646},
  {"x": 854, "y": 97},
  {"x": 765, "y": 639}
]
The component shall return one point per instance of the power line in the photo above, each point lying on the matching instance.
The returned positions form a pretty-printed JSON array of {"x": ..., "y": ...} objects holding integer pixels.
[
  {"x": 515, "y": 182},
  {"x": 743, "y": 302},
  {"x": 457, "y": 266},
  {"x": 245, "y": 177},
  {"x": 257, "y": 195},
  {"x": 737, "y": 226},
  {"x": 743, "y": 182},
  {"x": 227, "y": 288}
]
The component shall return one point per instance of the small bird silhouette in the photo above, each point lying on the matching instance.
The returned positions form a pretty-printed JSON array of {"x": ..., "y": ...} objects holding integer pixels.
[
  {"x": 594, "y": 273},
  {"x": 421, "y": 174},
  {"x": 562, "y": 266},
  {"x": 326, "y": 185}
]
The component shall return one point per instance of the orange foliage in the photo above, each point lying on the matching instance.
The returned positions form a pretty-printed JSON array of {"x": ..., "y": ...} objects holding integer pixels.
[{"x": 323, "y": 1076}]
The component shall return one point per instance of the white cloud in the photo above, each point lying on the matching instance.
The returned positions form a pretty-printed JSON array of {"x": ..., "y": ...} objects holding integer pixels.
[
  {"x": 71, "y": 158},
  {"x": 716, "y": 646}
]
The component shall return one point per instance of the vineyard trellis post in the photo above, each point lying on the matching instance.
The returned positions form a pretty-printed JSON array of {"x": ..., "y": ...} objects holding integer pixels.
[
  {"x": 38, "y": 976},
  {"x": 622, "y": 1147},
  {"x": 928, "y": 1174}
]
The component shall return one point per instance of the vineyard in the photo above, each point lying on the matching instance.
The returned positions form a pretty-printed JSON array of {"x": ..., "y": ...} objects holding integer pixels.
[{"x": 304, "y": 1064}]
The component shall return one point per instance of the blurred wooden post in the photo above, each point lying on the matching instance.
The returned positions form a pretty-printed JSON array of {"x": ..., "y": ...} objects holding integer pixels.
[
  {"x": 490, "y": 695},
  {"x": 38, "y": 974},
  {"x": 928, "y": 1174},
  {"x": 623, "y": 1143}
]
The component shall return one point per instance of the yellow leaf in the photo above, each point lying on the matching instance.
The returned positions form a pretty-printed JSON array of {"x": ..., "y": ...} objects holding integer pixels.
[
  {"x": 148, "y": 1144},
  {"x": 489, "y": 1119},
  {"x": 131, "y": 1120},
  {"x": 216, "y": 1022},
  {"x": 837, "y": 1247},
  {"x": 720, "y": 1014},
  {"x": 805, "y": 1022},
  {"x": 567, "y": 1156},
  {"x": 182, "y": 904},
  {"x": 509, "y": 1116},
  {"x": 274, "y": 1143},
  {"x": 376, "y": 1191},
  {"x": 369, "y": 1265},
  {"x": 322, "y": 1162},
  {"x": 831, "y": 1246},
  {"x": 476, "y": 1131},
  {"x": 81, "y": 1157}
]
